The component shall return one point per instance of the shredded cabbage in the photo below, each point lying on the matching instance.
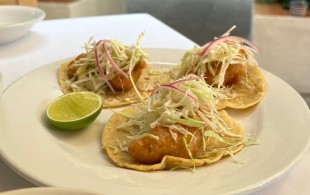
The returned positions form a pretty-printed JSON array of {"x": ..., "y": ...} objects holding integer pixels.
[
  {"x": 175, "y": 110},
  {"x": 88, "y": 76},
  {"x": 221, "y": 53}
]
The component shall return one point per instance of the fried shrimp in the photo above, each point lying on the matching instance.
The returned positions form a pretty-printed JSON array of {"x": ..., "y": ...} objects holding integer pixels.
[{"x": 149, "y": 150}]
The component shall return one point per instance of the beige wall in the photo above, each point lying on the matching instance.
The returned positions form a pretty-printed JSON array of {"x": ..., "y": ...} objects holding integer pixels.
[{"x": 79, "y": 8}]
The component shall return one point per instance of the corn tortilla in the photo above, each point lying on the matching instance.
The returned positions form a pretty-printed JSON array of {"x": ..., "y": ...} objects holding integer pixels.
[
  {"x": 112, "y": 137},
  {"x": 249, "y": 92}
]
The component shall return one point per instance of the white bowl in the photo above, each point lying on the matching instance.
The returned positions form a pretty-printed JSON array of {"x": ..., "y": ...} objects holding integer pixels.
[{"x": 16, "y": 21}]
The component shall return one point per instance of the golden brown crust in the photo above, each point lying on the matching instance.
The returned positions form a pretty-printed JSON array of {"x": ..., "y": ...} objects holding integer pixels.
[
  {"x": 122, "y": 84},
  {"x": 112, "y": 137},
  {"x": 233, "y": 74},
  {"x": 71, "y": 68},
  {"x": 148, "y": 150}
]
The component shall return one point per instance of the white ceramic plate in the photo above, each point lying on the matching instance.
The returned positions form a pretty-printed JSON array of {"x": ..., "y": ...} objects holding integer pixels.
[
  {"x": 16, "y": 20},
  {"x": 48, "y": 157},
  {"x": 48, "y": 191}
]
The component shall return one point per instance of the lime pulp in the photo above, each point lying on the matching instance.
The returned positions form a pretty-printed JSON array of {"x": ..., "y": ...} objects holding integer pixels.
[{"x": 74, "y": 110}]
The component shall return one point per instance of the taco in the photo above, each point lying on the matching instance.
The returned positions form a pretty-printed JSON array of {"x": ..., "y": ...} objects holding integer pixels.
[
  {"x": 227, "y": 62},
  {"x": 119, "y": 73},
  {"x": 178, "y": 127}
]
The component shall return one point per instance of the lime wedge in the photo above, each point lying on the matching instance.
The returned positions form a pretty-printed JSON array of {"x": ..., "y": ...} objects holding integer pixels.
[{"x": 74, "y": 111}]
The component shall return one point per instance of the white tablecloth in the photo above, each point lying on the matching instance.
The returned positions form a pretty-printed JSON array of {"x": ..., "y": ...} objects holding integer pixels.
[{"x": 53, "y": 40}]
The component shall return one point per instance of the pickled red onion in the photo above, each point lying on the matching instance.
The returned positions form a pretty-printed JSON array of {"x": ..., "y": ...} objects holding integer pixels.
[
  {"x": 100, "y": 68},
  {"x": 108, "y": 56},
  {"x": 115, "y": 67},
  {"x": 171, "y": 87},
  {"x": 209, "y": 45}
]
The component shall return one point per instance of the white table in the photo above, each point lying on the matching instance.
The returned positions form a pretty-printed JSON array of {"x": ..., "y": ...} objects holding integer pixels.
[{"x": 53, "y": 40}]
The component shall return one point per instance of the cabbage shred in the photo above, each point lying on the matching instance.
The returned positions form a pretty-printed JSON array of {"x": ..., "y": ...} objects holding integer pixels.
[
  {"x": 176, "y": 109},
  {"x": 88, "y": 77},
  {"x": 221, "y": 53}
]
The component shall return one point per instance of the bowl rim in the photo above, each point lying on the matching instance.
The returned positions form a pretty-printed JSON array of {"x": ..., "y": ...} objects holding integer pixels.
[{"x": 36, "y": 18}]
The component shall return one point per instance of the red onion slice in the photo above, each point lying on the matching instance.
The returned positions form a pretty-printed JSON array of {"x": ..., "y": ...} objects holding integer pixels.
[
  {"x": 177, "y": 90},
  {"x": 228, "y": 38},
  {"x": 100, "y": 68},
  {"x": 115, "y": 67}
]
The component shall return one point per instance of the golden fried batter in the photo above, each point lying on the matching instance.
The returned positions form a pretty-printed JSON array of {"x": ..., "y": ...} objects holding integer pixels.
[
  {"x": 148, "y": 150},
  {"x": 120, "y": 83},
  {"x": 233, "y": 75},
  {"x": 72, "y": 69}
]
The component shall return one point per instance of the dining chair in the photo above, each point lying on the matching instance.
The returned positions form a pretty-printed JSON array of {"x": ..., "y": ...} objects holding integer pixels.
[{"x": 200, "y": 20}]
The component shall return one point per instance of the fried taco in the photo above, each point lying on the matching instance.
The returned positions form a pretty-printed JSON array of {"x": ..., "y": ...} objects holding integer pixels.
[
  {"x": 227, "y": 62},
  {"x": 117, "y": 72},
  {"x": 178, "y": 127}
]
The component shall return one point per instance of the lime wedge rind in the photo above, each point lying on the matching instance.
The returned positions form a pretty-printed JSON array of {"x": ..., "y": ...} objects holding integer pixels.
[
  {"x": 78, "y": 124},
  {"x": 74, "y": 111}
]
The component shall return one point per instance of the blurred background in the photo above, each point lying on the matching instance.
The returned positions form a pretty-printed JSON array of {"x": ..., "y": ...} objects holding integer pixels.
[
  {"x": 280, "y": 28},
  {"x": 199, "y": 20}
]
